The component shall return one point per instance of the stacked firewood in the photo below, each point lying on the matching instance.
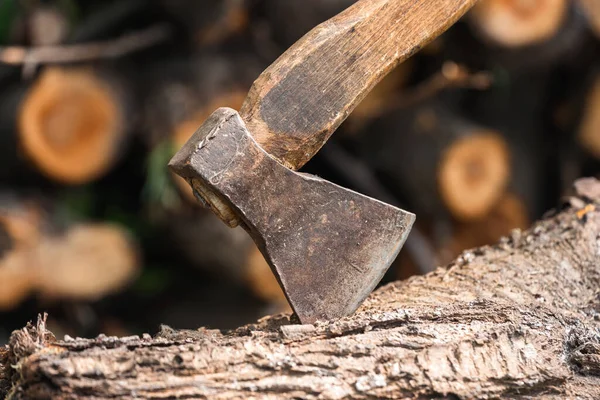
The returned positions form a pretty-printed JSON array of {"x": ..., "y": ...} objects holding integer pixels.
[{"x": 477, "y": 134}]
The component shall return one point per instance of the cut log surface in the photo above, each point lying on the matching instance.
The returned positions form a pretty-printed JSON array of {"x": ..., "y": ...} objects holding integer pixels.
[
  {"x": 516, "y": 23},
  {"x": 75, "y": 266},
  {"x": 444, "y": 161},
  {"x": 88, "y": 262},
  {"x": 79, "y": 262},
  {"x": 71, "y": 125},
  {"x": 473, "y": 174},
  {"x": 515, "y": 320}
]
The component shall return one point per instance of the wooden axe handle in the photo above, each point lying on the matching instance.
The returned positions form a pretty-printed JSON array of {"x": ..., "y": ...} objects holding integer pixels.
[{"x": 300, "y": 100}]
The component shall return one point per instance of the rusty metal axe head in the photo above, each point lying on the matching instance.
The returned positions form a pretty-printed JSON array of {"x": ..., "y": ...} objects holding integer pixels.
[{"x": 328, "y": 246}]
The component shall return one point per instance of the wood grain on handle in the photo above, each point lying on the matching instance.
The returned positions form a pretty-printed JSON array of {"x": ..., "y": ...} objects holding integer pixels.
[{"x": 301, "y": 99}]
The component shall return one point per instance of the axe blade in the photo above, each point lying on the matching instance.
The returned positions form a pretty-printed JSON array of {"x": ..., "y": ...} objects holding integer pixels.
[{"x": 328, "y": 246}]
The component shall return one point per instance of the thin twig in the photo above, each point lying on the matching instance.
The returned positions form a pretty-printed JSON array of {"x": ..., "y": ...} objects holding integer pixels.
[
  {"x": 61, "y": 54},
  {"x": 451, "y": 75}
]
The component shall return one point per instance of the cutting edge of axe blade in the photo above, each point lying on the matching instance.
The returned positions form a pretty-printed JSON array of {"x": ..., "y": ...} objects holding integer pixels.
[{"x": 328, "y": 246}]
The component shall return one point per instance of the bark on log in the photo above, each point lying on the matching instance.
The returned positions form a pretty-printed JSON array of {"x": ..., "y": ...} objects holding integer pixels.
[{"x": 518, "y": 319}]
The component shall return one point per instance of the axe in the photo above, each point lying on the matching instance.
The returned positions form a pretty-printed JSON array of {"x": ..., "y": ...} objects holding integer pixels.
[{"x": 328, "y": 246}]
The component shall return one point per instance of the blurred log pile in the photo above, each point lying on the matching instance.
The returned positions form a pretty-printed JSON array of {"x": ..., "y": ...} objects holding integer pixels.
[{"x": 479, "y": 133}]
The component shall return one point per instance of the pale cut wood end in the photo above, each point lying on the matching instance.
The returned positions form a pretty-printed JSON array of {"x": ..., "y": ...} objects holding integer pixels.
[
  {"x": 473, "y": 174},
  {"x": 88, "y": 263},
  {"x": 517, "y": 23},
  {"x": 71, "y": 125}
]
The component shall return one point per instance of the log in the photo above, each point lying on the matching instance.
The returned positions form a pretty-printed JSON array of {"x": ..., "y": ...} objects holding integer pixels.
[
  {"x": 519, "y": 111},
  {"x": 22, "y": 223},
  {"x": 88, "y": 262},
  {"x": 516, "y": 23},
  {"x": 72, "y": 124},
  {"x": 450, "y": 237},
  {"x": 16, "y": 280},
  {"x": 54, "y": 262},
  {"x": 523, "y": 47},
  {"x": 473, "y": 174},
  {"x": 518, "y": 319},
  {"x": 441, "y": 161},
  {"x": 507, "y": 214}
]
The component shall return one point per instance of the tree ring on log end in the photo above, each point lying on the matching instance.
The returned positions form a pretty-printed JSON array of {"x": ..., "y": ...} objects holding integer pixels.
[
  {"x": 473, "y": 174},
  {"x": 70, "y": 125}
]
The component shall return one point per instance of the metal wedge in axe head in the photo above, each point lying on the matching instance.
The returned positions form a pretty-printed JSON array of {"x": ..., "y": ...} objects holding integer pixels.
[{"x": 328, "y": 246}]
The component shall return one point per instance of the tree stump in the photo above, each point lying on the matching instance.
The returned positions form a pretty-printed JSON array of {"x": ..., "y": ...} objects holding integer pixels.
[{"x": 518, "y": 319}]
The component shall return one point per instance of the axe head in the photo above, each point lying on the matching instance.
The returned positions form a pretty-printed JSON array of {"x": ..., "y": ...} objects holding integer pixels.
[{"x": 327, "y": 245}]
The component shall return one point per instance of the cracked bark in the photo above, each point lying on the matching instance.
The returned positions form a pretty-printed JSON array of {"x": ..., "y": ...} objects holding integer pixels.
[{"x": 518, "y": 319}]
